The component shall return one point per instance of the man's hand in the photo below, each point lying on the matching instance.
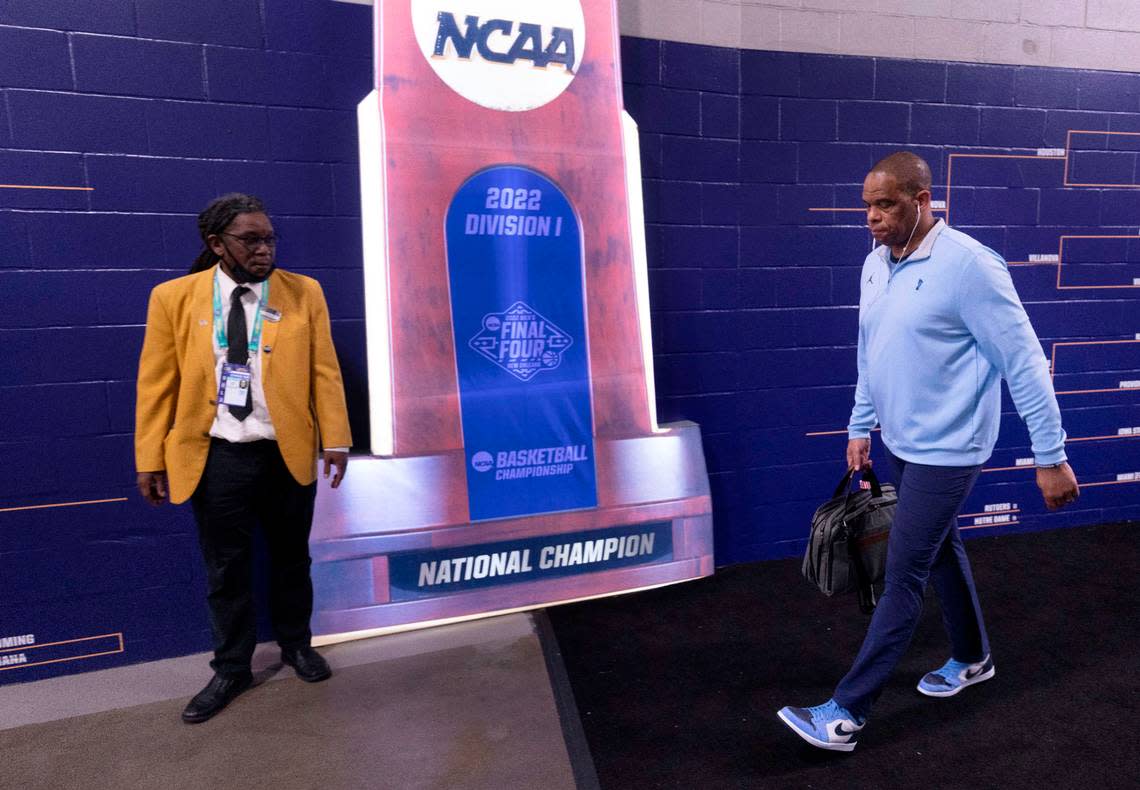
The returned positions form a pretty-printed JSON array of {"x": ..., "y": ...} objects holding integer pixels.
[
  {"x": 1058, "y": 486},
  {"x": 152, "y": 486},
  {"x": 339, "y": 459},
  {"x": 859, "y": 454}
]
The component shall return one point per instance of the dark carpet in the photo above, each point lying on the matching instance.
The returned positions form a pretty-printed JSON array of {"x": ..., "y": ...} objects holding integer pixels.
[{"x": 679, "y": 686}]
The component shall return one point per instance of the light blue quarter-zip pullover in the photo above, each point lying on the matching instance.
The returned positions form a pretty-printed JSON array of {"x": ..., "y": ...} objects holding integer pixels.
[{"x": 937, "y": 334}]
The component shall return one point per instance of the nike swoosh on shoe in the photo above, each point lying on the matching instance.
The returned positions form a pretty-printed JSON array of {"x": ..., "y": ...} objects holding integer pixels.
[{"x": 842, "y": 732}]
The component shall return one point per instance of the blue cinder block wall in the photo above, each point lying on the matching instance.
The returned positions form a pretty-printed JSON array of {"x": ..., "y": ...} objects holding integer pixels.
[
  {"x": 153, "y": 108},
  {"x": 156, "y": 107},
  {"x": 754, "y": 283}
]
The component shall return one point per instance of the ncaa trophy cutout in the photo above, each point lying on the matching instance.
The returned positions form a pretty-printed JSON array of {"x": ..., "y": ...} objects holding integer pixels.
[{"x": 516, "y": 457}]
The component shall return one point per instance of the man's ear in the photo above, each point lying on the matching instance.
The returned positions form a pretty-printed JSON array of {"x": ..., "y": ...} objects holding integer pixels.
[{"x": 214, "y": 242}]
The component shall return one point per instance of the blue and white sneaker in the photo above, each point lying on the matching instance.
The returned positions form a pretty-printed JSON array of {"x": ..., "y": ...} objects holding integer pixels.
[
  {"x": 827, "y": 726},
  {"x": 954, "y": 676}
]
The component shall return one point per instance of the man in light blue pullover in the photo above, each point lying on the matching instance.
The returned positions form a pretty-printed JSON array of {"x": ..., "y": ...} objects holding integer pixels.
[{"x": 940, "y": 325}]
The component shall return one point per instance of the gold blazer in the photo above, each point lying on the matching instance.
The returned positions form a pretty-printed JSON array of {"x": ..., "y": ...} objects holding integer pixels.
[{"x": 177, "y": 390}]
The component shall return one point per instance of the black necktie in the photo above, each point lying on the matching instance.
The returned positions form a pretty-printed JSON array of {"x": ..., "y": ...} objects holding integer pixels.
[{"x": 238, "y": 339}]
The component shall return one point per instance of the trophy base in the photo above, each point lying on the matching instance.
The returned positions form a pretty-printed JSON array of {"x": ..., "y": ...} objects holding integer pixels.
[{"x": 393, "y": 548}]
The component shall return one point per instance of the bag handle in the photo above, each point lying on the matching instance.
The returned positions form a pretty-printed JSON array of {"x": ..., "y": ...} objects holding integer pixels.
[
  {"x": 867, "y": 474},
  {"x": 844, "y": 484}
]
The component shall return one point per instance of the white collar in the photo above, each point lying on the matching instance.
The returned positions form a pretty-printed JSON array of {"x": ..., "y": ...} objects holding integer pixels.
[
  {"x": 226, "y": 285},
  {"x": 924, "y": 249}
]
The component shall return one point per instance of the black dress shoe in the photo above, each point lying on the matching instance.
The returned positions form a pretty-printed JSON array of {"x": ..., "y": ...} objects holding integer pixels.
[
  {"x": 310, "y": 666},
  {"x": 219, "y": 692}
]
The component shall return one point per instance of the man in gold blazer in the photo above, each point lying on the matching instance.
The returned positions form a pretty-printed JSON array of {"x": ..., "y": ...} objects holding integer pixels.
[{"x": 238, "y": 389}]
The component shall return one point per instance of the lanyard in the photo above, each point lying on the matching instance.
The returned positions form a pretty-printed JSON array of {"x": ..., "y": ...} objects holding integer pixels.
[{"x": 220, "y": 331}]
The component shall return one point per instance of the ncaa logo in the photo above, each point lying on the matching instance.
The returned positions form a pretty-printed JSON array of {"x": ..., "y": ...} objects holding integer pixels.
[
  {"x": 510, "y": 55},
  {"x": 482, "y": 461}
]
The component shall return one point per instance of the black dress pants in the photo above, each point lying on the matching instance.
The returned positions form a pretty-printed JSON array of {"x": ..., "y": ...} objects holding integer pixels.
[{"x": 244, "y": 486}]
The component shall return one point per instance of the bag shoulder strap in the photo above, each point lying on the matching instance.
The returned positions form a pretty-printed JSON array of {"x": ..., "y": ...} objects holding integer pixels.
[{"x": 863, "y": 586}]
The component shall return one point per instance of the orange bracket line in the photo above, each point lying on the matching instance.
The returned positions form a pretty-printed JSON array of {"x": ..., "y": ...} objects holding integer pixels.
[
  {"x": 1061, "y": 258},
  {"x": 1067, "y": 440},
  {"x": 1012, "y": 521},
  {"x": 36, "y": 186},
  {"x": 860, "y": 210},
  {"x": 26, "y": 648},
  {"x": 1065, "y": 180},
  {"x": 1068, "y": 145},
  {"x": 1104, "y": 482},
  {"x": 950, "y": 169},
  {"x": 1053, "y": 364},
  {"x": 1082, "y": 485},
  {"x": 1097, "y": 391},
  {"x": 834, "y": 433},
  {"x": 950, "y": 166},
  {"x": 946, "y": 209},
  {"x": 62, "y": 504},
  {"x": 59, "y": 660},
  {"x": 991, "y": 513}
]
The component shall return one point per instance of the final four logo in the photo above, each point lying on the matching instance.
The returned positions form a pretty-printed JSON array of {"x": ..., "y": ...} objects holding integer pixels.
[
  {"x": 503, "y": 54},
  {"x": 521, "y": 341}
]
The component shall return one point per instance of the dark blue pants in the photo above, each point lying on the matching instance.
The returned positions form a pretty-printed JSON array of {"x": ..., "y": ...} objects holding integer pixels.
[{"x": 924, "y": 545}]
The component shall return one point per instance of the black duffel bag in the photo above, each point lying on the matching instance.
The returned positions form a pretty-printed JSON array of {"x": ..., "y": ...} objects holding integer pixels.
[{"x": 847, "y": 548}]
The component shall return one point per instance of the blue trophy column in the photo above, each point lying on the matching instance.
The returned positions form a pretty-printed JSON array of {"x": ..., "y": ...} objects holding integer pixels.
[{"x": 515, "y": 266}]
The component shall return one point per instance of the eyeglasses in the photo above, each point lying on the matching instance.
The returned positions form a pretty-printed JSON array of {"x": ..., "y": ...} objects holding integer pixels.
[{"x": 251, "y": 242}]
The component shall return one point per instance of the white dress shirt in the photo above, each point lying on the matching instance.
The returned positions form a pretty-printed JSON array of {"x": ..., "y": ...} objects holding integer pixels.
[{"x": 257, "y": 425}]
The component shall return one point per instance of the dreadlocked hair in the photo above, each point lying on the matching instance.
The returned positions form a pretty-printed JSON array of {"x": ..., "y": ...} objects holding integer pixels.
[{"x": 216, "y": 217}]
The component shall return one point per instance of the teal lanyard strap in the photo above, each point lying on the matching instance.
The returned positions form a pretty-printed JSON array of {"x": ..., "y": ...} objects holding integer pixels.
[{"x": 220, "y": 330}]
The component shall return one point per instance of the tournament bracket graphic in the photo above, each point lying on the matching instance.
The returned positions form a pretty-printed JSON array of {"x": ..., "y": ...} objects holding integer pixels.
[
  {"x": 1072, "y": 245},
  {"x": 517, "y": 459}
]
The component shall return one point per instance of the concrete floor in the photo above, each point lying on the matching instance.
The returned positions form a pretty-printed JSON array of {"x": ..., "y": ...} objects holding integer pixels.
[{"x": 461, "y": 706}]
